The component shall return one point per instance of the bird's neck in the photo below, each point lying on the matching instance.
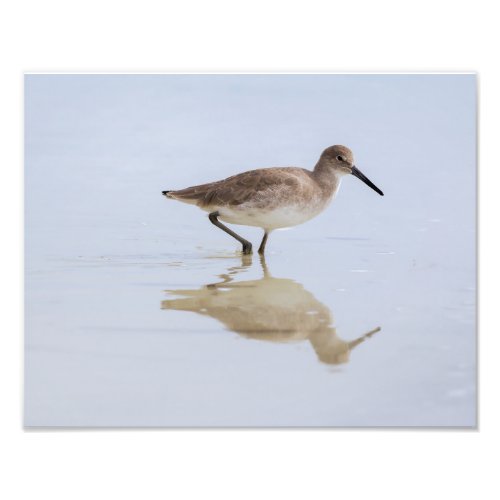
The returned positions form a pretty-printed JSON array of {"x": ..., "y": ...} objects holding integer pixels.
[{"x": 326, "y": 178}]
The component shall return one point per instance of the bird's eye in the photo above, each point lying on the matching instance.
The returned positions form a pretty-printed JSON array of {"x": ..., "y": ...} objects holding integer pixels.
[{"x": 340, "y": 158}]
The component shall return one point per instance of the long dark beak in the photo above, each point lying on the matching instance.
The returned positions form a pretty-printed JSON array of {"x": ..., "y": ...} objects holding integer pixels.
[{"x": 365, "y": 179}]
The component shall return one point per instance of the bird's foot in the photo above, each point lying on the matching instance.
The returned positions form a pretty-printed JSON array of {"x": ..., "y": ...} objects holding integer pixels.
[{"x": 247, "y": 248}]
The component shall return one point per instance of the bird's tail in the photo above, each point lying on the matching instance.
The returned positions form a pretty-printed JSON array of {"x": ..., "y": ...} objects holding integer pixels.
[{"x": 195, "y": 195}]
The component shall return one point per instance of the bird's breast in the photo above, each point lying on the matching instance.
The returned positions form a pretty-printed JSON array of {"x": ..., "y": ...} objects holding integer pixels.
[{"x": 274, "y": 216}]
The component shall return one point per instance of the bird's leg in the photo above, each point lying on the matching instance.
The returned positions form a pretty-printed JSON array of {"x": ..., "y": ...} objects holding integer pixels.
[
  {"x": 263, "y": 243},
  {"x": 247, "y": 246}
]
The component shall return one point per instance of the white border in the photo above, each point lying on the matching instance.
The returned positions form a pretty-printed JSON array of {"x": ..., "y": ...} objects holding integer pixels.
[{"x": 223, "y": 36}]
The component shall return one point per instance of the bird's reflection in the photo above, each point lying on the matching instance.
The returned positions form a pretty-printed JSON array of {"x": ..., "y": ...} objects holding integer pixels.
[{"x": 271, "y": 309}]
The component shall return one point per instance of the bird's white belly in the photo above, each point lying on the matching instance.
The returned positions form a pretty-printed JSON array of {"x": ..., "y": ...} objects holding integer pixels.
[{"x": 269, "y": 218}]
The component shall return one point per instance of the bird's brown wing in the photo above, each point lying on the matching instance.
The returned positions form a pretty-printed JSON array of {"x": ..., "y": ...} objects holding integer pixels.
[{"x": 239, "y": 188}]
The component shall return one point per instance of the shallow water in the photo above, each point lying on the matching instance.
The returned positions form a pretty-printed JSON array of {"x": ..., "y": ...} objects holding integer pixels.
[{"x": 139, "y": 312}]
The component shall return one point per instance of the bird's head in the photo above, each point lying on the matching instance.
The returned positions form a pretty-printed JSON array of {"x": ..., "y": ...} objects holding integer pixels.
[{"x": 341, "y": 160}]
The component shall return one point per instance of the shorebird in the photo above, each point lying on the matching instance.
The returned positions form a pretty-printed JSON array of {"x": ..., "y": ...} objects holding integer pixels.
[{"x": 273, "y": 198}]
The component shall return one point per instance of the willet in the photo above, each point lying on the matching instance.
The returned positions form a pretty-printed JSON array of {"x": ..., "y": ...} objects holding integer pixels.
[{"x": 273, "y": 198}]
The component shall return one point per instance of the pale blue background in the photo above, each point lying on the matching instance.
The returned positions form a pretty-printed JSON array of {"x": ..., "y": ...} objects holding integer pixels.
[{"x": 102, "y": 245}]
